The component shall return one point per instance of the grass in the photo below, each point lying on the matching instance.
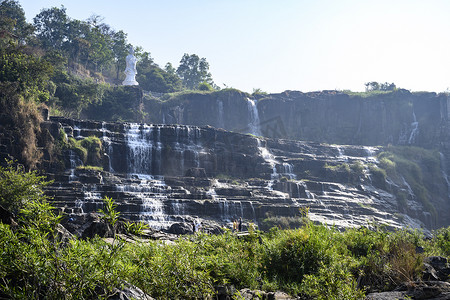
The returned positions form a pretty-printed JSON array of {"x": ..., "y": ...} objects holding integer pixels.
[{"x": 91, "y": 168}]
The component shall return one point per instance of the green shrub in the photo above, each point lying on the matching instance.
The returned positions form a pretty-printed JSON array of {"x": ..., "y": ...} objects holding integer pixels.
[
  {"x": 378, "y": 176},
  {"x": 281, "y": 222},
  {"x": 440, "y": 243},
  {"x": 93, "y": 145},
  {"x": 18, "y": 187},
  {"x": 92, "y": 168},
  {"x": 292, "y": 254}
]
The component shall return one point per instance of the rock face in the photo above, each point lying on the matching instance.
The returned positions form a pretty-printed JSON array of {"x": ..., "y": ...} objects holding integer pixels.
[
  {"x": 167, "y": 174},
  {"x": 330, "y": 117}
]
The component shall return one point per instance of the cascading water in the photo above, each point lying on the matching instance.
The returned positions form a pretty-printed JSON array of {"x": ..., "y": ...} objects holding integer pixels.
[
  {"x": 140, "y": 148},
  {"x": 107, "y": 144},
  {"x": 288, "y": 171},
  {"x": 270, "y": 159},
  {"x": 151, "y": 191},
  {"x": 231, "y": 210},
  {"x": 254, "y": 124},
  {"x": 74, "y": 163},
  {"x": 158, "y": 149},
  {"x": 76, "y": 132},
  {"x": 414, "y": 130},
  {"x": 220, "y": 120},
  {"x": 341, "y": 153}
]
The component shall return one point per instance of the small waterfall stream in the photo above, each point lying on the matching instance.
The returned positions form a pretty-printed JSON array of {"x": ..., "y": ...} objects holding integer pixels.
[
  {"x": 254, "y": 124},
  {"x": 220, "y": 120},
  {"x": 414, "y": 130}
]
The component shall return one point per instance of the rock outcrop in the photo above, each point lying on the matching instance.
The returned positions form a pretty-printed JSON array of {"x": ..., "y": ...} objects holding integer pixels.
[{"x": 167, "y": 174}]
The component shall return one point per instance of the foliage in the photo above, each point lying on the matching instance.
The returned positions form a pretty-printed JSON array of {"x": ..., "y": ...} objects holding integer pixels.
[
  {"x": 281, "y": 222},
  {"x": 29, "y": 72},
  {"x": 11, "y": 12},
  {"x": 136, "y": 228},
  {"x": 93, "y": 145},
  {"x": 313, "y": 261},
  {"x": 413, "y": 166},
  {"x": 109, "y": 212},
  {"x": 18, "y": 187},
  {"x": 440, "y": 243},
  {"x": 88, "y": 167},
  {"x": 351, "y": 173},
  {"x": 375, "y": 86},
  {"x": 204, "y": 86},
  {"x": 194, "y": 70},
  {"x": 118, "y": 104}
]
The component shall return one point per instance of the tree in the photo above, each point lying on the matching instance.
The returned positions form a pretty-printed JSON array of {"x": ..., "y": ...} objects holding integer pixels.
[
  {"x": 11, "y": 12},
  {"x": 170, "y": 69},
  {"x": 78, "y": 46},
  {"x": 193, "y": 70},
  {"x": 51, "y": 27},
  {"x": 375, "y": 86},
  {"x": 120, "y": 50}
]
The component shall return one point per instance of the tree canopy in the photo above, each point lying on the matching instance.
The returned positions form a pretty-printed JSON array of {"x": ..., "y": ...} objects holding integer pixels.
[{"x": 194, "y": 70}]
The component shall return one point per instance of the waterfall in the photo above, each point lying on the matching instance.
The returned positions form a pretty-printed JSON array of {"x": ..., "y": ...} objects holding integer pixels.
[
  {"x": 269, "y": 158},
  {"x": 158, "y": 149},
  {"x": 140, "y": 147},
  {"x": 414, "y": 130},
  {"x": 341, "y": 153},
  {"x": 76, "y": 132},
  {"x": 151, "y": 191},
  {"x": 220, "y": 120},
  {"x": 74, "y": 162},
  {"x": 178, "y": 208},
  {"x": 231, "y": 210},
  {"x": 108, "y": 145},
  {"x": 410, "y": 191},
  {"x": 254, "y": 124},
  {"x": 370, "y": 154},
  {"x": 253, "y": 211},
  {"x": 288, "y": 171}
]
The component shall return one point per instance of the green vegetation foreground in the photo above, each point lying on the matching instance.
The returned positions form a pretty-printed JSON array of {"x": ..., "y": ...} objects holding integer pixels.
[{"x": 314, "y": 261}]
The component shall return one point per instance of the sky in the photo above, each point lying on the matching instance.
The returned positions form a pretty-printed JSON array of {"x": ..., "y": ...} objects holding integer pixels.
[{"x": 304, "y": 45}]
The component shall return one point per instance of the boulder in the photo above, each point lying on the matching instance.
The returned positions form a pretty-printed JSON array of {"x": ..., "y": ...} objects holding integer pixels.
[
  {"x": 181, "y": 228},
  {"x": 436, "y": 268},
  {"x": 97, "y": 228},
  {"x": 6, "y": 217},
  {"x": 248, "y": 294},
  {"x": 130, "y": 293},
  {"x": 196, "y": 172}
]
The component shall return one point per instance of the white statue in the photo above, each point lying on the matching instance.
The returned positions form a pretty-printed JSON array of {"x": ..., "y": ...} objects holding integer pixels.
[{"x": 130, "y": 70}]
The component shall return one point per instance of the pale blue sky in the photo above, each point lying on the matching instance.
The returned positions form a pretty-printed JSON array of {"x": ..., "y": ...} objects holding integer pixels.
[{"x": 288, "y": 44}]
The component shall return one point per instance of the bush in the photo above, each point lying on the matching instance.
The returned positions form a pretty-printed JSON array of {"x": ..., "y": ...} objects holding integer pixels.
[{"x": 18, "y": 187}]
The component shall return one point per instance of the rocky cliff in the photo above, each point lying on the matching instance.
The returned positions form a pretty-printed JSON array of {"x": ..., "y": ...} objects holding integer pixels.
[
  {"x": 398, "y": 117},
  {"x": 167, "y": 174}
]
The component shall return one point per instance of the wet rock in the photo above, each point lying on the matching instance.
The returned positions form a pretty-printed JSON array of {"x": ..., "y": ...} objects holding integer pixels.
[
  {"x": 388, "y": 296},
  {"x": 181, "y": 228},
  {"x": 196, "y": 172},
  {"x": 436, "y": 268},
  {"x": 63, "y": 234},
  {"x": 99, "y": 228},
  {"x": 6, "y": 217},
  {"x": 435, "y": 290},
  {"x": 225, "y": 292},
  {"x": 130, "y": 293},
  {"x": 248, "y": 294}
]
